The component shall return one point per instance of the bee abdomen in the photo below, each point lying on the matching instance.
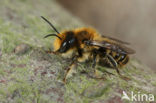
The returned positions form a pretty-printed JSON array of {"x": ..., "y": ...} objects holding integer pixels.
[{"x": 121, "y": 59}]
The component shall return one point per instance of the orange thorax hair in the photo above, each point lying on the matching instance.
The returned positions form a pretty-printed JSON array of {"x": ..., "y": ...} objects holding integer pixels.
[{"x": 80, "y": 34}]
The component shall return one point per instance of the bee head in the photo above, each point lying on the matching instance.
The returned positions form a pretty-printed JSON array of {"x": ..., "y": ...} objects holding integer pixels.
[{"x": 68, "y": 42}]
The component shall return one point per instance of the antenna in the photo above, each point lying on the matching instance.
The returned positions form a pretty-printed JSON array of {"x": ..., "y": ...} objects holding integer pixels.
[
  {"x": 50, "y": 24},
  {"x": 53, "y": 35}
]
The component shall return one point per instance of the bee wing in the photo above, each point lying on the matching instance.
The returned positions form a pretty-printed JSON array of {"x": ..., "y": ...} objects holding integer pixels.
[
  {"x": 115, "y": 40},
  {"x": 111, "y": 46}
]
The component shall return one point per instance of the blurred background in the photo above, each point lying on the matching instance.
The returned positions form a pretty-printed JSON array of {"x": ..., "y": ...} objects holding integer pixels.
[{"x": 133, "y": 21}]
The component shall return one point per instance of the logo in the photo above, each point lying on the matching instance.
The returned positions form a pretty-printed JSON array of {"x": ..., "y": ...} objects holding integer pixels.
[{"x": 138, "y": 97}]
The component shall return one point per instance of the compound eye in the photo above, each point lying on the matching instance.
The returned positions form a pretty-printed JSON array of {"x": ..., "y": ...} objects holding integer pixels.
[
  {"x": 87, "y": 42},
  {"x": 71, "y": 41},
  {"x": 64, "y": 44}
]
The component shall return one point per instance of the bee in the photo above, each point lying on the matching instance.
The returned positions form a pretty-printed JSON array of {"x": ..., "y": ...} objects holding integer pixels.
[{"x": 84, "y": 44}]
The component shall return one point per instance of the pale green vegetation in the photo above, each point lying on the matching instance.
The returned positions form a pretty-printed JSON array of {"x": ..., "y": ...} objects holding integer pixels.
[{"x": 30, "y": 75}]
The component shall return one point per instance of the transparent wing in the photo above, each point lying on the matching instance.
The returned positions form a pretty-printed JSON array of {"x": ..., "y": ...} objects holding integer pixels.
[
  {"x": 111, "y": 46},
  {"x": 115, "y": 40}
]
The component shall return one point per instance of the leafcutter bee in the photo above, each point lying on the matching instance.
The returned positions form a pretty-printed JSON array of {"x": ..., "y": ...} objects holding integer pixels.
[{"x": 84, "y": 44}]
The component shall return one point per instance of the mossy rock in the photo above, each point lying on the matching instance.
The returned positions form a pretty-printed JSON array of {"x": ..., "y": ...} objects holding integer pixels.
[{"x": 29, "y": 75}]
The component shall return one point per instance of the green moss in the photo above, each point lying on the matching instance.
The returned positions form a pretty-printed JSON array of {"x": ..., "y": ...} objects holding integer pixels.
[
  {"x": 2, "y": 72},
  {"x": 35, "y": 76}
]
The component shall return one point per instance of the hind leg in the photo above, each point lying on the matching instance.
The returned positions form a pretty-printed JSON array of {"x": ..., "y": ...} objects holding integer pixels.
[{"x": 115, "y": 65}]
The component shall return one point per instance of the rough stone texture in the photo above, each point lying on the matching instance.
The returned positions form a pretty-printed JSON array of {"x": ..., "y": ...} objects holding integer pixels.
[{"x": 36, "y": 77}]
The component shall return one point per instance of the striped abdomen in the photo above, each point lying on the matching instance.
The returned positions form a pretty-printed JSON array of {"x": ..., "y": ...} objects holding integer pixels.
[{"x": 121, "y": 59}]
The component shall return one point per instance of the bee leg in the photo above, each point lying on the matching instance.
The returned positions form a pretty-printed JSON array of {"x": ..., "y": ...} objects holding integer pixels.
[
  {"x": 70, "y": 67},
  {"x": 94, "y": 63},
  {"x": 109, "y": 73},
  {"x": 94, "y": 67},
  {"x": 51, "y": 52},
  {"x": 94, "y": 59},
  {"x": 115, "y": 65}
]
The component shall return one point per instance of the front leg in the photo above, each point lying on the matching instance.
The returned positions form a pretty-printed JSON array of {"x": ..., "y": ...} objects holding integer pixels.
[
  {"x": 51, "y": 52},
  {"x": 70, "y": 67}
]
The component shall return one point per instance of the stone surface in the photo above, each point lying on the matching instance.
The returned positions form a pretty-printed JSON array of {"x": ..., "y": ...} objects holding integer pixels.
[
  {"x": 36, "y": 77},
  {"x": 21, "y": 49}
]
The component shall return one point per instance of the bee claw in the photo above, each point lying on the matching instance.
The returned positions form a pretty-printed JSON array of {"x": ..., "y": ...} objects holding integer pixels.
[
  {"x": 64, "y": 80},
  {"x": 125, "y": 78},
  {"x": 51, "y": 52},
  {"x": 98, "y": 78}
]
